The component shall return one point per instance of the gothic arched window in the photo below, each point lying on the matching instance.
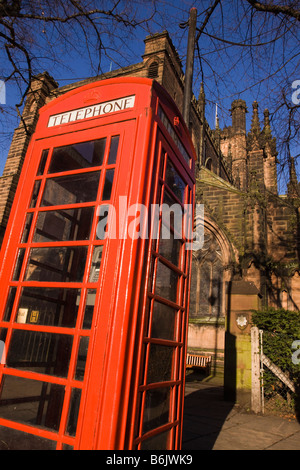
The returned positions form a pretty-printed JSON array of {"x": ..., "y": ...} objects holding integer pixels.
[
  {"x": 153, "y": 70},
  {"x": 208, "y": 164},
  {"x": 207, "y": 279}
]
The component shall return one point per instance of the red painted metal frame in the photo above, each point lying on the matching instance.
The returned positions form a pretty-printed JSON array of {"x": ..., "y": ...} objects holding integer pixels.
[
  {"x": 176, "y": 384},
  {"x": 112, "y": 378}
]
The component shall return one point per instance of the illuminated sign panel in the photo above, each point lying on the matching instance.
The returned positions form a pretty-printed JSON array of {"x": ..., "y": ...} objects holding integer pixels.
[{"x": 100, "y": 109}]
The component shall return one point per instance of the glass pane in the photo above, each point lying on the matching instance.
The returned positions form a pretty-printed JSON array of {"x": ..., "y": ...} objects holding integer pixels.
[
  {"x": 205, "y": 282},
  {"x": 71, "y": 189},
  {"x": 45, "y": 353},
  {"x": 96, "y": 263},
  {"x": 73, "y": 411},
  {"x": 89, "y": 309},
  {"x": 31, "y": 402},
  {"x": 166, "y": 282},
  {"x": 168, "y": 199},
  {"x": 216, "y": 288},
  {"x": 19, "y": 263},
  {"x": 67, "y": 447},
  {"x": 175, "y": 182},
  {"x": 160, "y": 363},
  {"x": 9, "y": 303},
  {"x": 56, "y": 264},
  {"x": 81, "y": 358},
  {"x": 102, "y": 221},
  {"x": 163, "y": 322},
  {"x": 157, "y": 405},
  {"x": 170, "y": 247},
  {"x": 43, "y": 162},
  {"x": 76, "y": 156},
  {"x": 162, "y": 162},
  {"x": 27, "y": 228},
  {"x": 109, "y": 176},
  {"x": 11, "y": 439},
  {"x": 172, "y": 214},
  {"x": 35, "y": 193},
  {"x": 3, "y": 334},
  {"x": 48, "y": 306},
  {"x": 64, "y": 225},
  {"x": 157, "y": 442},
  {"x": 112, "y": 157}
]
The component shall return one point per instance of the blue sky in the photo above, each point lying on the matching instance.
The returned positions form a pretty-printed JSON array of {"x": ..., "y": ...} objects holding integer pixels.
[{"x": 229, "y": 71}]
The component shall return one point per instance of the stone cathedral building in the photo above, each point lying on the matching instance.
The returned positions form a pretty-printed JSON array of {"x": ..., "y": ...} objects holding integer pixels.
[{"x": 250, "y": 254}]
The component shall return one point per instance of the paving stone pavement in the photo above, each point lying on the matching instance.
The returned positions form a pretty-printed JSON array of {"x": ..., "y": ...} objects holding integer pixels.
[{"x": 211, "y": 423}]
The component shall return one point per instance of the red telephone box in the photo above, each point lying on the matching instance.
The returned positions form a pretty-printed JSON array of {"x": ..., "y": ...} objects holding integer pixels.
[{"x": 94, "y": 278}]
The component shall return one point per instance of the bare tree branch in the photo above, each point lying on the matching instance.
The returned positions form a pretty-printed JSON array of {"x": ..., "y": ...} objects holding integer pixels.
[
  {"x": 243, "y": 43},
  {"x": 287, "y": 10},
  {"x": 14, "y": 11},
  {"x": 207, "y": 17},
  {"x": 245, "y": 48},
  {"x": 27, "y": 27}
]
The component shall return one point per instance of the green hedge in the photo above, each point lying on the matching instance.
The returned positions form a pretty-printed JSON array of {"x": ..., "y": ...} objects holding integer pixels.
[
  {"x": 281, "y": 328},
  {"x": 278, "y": 320}
]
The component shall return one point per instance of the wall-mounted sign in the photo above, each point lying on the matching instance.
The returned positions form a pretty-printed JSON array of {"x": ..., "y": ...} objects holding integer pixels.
[
  {"x": 100, "y": 109},
  {"x": 242, "y": 321},
  {"x": 34, "y": 316},
  {"x": 22, "y": 315}
]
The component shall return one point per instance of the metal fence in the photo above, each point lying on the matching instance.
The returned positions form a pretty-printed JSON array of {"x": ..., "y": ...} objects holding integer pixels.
[{"x": 279, "y": 373}]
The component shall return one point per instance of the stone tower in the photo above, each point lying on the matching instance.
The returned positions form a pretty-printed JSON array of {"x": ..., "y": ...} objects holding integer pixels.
[{"x": 41, "y": 87}]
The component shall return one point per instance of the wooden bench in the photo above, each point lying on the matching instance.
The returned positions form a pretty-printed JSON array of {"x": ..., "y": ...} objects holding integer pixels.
[{"x": 197, "y": 361}]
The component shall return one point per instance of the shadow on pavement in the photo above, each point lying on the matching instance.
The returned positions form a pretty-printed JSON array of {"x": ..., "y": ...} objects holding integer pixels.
[{"x": 205, "y": 412}]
